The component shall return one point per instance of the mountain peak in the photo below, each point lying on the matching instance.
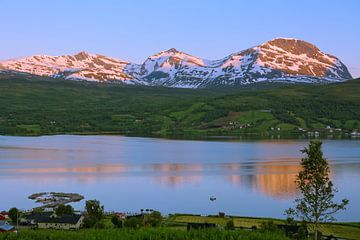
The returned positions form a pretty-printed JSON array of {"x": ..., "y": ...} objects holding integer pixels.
[
  {"x": 280, "y": 59},
  {"x": 172, "y": 50},
  {"x": 292, "y": 45},
  {"x": 83, "y": 55}
]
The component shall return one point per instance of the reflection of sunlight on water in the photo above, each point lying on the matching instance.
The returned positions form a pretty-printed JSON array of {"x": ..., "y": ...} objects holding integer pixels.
[
  {"x": 269, "y": 178},
  {"x": 278, "y": 180},
  {"x": 176, "y": 167},
  {"x": 272, "y": 180},
  {"x": 280, "y": 186},
  {"x": 272, "y": 176}
]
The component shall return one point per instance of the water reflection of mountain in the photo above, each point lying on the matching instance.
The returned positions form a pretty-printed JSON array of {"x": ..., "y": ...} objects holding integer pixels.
[
  {"x": 270, "y": 178},
  {"x": 177, "y": 180},
  {"x": 176, "y": 174},
  {"x": 99, "y": 168}
]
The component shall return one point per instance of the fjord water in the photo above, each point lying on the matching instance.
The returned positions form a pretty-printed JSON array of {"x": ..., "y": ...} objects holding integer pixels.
[{"x": 248, "y": 178}]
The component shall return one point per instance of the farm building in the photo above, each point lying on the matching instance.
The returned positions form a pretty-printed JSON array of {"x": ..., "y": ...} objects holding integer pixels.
[{"x": 49, "y": 220}]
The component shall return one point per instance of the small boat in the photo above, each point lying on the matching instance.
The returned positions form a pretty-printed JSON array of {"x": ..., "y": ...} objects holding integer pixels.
[{"x": 212, "y": 198}]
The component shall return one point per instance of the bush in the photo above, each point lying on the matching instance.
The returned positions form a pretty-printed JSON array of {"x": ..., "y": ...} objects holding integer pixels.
[
  {"x": 117, "y": 223},
  {"x": 230, "y": 225},
  {"x": 133, "y": 222},
  {"x": 64, "y": 209},
  {"x": 269, "y": 226},
  {"x": 155, "y": 219}
]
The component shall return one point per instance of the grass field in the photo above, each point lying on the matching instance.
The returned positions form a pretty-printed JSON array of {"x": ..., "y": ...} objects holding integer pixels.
[
  {"x": 37, "y": 106},
  {"x": 340, "y": 230},
  {"x": 141, "y": 234},
  {"x": 175, "y": 228}
]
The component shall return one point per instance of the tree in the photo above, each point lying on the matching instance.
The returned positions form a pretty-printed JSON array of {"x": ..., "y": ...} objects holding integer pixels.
[
  {"x": 64, "y": 209},
  {"x": 155, "y": 218},
  {"x": 317, "y": 191},
  {"x": 13, "y": 214},
  {"x": 94, "y": 213},
  {"x": 117, "y": 222}
]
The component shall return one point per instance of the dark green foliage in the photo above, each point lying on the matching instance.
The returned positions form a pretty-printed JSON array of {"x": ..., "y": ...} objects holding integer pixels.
[
  {"x": 155, "y": 219},
  {"x": 269, "y": 226},
  {"x": 13, "y": 214},
  {"x": 99, "y": 225},
  {"x": 230, "y": 225},
  {"x": 303, "y": 231},
  {"x": 285, "y": 117},
  {"x": 62, "y": 209},
  {"x": 94, "y": 213},
  {"x": 316, "y": 203},
  {"x": 116, "y": 222},
  {"x": 38, "y": 106},
  {"x": 133, "y": 222}
]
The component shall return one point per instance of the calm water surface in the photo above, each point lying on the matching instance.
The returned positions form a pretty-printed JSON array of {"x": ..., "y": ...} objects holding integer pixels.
[{"x": 252, "y": 178}]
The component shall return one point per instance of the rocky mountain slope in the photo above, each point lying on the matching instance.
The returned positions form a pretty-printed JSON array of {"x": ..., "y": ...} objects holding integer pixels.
[{"x": 281, "y": 59}]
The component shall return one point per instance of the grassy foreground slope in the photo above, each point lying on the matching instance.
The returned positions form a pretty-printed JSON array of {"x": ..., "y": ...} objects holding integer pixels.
[
  {"x": 143, "y": 234},
  {"x": 340, "y": 230},
  {"x": 35, "y": 106}
]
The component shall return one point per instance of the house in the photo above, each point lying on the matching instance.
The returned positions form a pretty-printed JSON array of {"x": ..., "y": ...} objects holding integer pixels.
[
  {"x": 49, "y": 220},
  {"x": 4, "y": 215},
  {"x": 5, "y": 227}
]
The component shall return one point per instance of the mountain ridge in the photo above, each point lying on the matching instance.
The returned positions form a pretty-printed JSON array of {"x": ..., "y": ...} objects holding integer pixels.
[{"x": 279, "y": 60}]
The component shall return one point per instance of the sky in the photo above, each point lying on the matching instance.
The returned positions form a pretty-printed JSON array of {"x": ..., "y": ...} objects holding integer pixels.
[{"x": 132, "y": 30}]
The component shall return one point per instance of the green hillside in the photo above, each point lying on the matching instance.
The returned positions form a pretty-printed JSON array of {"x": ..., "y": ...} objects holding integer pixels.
[{"x": 35, "y": 106}]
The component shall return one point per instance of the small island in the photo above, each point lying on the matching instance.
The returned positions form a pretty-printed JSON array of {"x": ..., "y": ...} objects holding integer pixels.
[{"x": 53, "y": 199}]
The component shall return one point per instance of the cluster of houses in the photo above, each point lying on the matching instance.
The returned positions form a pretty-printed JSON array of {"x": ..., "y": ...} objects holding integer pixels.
[
  {"x": 49, "y": 220},
  {"x": 44, "y": 220}
]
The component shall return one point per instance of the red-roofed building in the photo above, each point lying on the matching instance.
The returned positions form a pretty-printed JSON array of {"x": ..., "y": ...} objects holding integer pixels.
[{"x": 4, "y": 214}]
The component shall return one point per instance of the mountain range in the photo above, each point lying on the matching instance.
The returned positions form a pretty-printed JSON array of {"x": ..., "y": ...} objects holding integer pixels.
[{"x": 278, "y": 60}]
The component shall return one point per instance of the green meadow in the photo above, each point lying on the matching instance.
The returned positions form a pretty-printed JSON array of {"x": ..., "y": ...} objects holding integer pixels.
[
  {"x": 340, "y": 230},
  {"x": 143, "y": 234},
  {"x": 40, "y": 106}
]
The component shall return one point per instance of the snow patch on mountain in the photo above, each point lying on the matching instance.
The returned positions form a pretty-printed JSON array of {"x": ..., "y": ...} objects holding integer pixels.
[{"x": 278, "y": 60}]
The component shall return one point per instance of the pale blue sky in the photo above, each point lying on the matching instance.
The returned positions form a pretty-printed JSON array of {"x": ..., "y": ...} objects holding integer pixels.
[{"x": 134, "y": 29}]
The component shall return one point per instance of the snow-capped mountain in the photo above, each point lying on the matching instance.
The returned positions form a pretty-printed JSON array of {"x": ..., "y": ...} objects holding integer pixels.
[
  {"x": 280, "y": 59},
  {"x": 84, "y": 66}
]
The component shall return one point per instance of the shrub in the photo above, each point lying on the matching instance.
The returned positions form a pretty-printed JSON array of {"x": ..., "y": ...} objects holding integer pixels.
[
  {"x": 269, "y": 226},
  {"x": 133, "y": 222},
  {"x": 230, "y": 225},
  {"x": 117, "y": 223}
]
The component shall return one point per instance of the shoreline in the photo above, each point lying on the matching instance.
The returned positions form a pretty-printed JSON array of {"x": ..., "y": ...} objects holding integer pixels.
[{"x": 199, "y": 137}]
